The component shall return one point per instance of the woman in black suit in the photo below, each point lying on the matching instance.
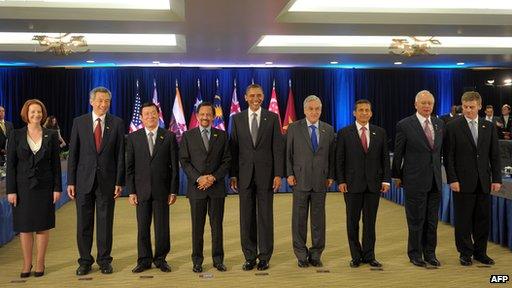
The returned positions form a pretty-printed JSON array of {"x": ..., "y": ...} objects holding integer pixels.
[{"x": 33, "y": 183}]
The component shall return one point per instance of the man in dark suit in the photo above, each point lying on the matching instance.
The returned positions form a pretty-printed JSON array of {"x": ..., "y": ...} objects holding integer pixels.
[
  {"x": 505, "y": 123},
  {"x": 95, "y": 177},
  {"x": 5, "y": 129},
  {"x": 205, "y": 158},
  {"x": 473, "y": 171},
  {"x": 153, "y": 183},
  {"x": 417, "y": 166},
  {"x": 362, "y": 164},
  {"x": 310, "y": 149},
  {"x": 450, "y": 116},
  {"x": 257, "y": 148},
  {"x": 489, "y": 115}
]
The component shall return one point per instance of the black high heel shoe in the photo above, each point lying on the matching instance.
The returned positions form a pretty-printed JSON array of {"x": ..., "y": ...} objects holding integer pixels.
[
  {"x": 26, "y": 274},
  {"x": 39, "y": 274}
]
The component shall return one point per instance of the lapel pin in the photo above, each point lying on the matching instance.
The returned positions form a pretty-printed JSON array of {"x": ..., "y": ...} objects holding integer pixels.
[
  {"x": 323, "y": 130},
  {"x": 45, "y": 135},
  {"x": 373, "y": 133},
  {"x": 483, "y": 126},
  {"x": 214, "y": 135},
  {"x": 162, "y": 137},
  {"x": 265, "y": 119},
  {"x": 107, "y": 127}
]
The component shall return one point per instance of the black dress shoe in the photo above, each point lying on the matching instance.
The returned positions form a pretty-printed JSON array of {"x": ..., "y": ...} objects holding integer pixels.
[
  {"x": 106, "y": 269},
  {"x": 433, "y": 261},
  {"x": 465, "y": 261},
  {"x": 419, "y": 262},
  {"x": 373, "y": 263},
  {"x": 354, "y": 263},
  {"x": 220, "y": 267},
  {"x": 26, "y": 274},
  {"x": 39, "y": 273},
  {"x": 248, "y": 265},
  {"x": 315, "y": 263},
  {"x": 83, "y": 270},
  {"x": 197, "y": 268},
  {"x": 302, "y": 263},
  {"x": 484, "y": 259},
  {"x": 164, "y": 267},
  {"x": 262, "y": 265},
  {"x": 141, "y": 267}
]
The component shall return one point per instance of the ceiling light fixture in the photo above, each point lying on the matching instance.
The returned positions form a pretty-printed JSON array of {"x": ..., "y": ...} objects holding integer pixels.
[
  {"x": 62, "y": 45},
  {"x": 90, "y": 61},
  {"x": 334, "y": 62},
  {"x": 398, "y": 63},
  {"x": 460, "y": 63},
  {"x": 269, "y": 63},
  {"x": 412, "y": 46}
]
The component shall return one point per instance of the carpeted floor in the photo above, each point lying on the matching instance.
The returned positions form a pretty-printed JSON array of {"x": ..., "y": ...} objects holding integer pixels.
[{"x": 283, "y": 272}]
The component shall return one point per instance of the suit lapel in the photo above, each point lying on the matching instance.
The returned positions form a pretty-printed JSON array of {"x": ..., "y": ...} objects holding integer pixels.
[
  {"x": 143, "y": 140},
  {"x": 23, "y": 141},
  {"x": 263, "y": 124},
  {"x": 467, "y": 131},
  {"x": 199, "y": 137},
  {"x": 323, "y": 143},
  {"x": 415, "y": 122},
  {"x": 90, "y": 131},
  {"x": 244, "y": 125},
  {"x": 356, "y": 138},
  {"x": 482, "y": 128},
  {"x": 305, "y": 132},
  {"x": 158, "y": 141},
  {"x": 106, "y": 132},
  {"x": 214, "y": 135},
  {"x": 372, "y": 138},
  {"x": 45, "y": 142}
]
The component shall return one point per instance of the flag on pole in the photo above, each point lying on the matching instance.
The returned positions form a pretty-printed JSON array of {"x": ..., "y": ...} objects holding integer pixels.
[
  {"x": 193, "y": 120},
  {"x": 155, "y": 101},
  {"x": 274, "y": 105},
  {"x": 177, "y": 124},
  {"x": 136, "y": 123},
  {"x": 218, "y": 121},
  {"x": 235, "y": 107},
  {"x": 289, "y": 115}
]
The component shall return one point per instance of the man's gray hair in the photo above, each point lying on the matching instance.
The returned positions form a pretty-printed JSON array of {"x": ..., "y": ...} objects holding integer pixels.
[
  {"x": 99, "y": 89},
  {"x": 312, "y": 98},
  {"x": 423, "y": 92}
]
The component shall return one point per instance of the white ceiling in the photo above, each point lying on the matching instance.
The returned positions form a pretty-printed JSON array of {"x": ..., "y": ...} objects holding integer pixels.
[{"x": 225, "y": 33}]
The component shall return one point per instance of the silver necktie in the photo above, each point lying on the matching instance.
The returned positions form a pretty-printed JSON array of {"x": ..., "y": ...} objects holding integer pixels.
[
  {"x": 254, "y": 128},
  {"x": 151, "y": 143},
  {"x": 205, "y": 139},
  {"x": 474, "y": 131}
]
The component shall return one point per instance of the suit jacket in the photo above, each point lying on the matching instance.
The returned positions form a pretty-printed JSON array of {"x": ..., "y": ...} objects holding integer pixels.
[
  {"x": 495, "y": 119},
  {"x": 152, "y": 176},
  {"x": 29, "y": 171},
  {"x": 414, "y": 162},
  {"x": 362, "y": 171},
  {"x": 310, "y": 169},
  {"x": 85, "y": 164},
  {"x": 4, "y": 135},
  {"x": 448, "y": 118},
  {"x": 196, "y": 161},
  {"x": 265, "y": 158},
  {"x": 468, "y": 163},
  {"x": 506, "y": 126}
]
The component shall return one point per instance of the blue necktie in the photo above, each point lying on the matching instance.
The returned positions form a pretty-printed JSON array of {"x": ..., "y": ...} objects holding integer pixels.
[{"x": 314, "y": 139}]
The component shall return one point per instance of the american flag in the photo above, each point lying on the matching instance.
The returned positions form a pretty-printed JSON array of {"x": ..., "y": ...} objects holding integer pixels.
[
  {"x": 136, "y": 124},
  {"x": 218, "y": 121},
  {"x": 193, "y": 120},
  {"x": 235, "y": 107},
  {"x": 274, "y": 106},
  {"x": 177, "y": 123},
  {"x": 155, "y": 101}
]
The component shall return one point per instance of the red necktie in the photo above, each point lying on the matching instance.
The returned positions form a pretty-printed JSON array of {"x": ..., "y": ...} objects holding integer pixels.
[
  {"x": 97, "y": 135},
  {"x": 364, "y": 141}
]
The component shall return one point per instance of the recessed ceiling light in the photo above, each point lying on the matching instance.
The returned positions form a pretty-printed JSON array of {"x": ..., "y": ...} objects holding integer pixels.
[
  {"x": 460, "y": 63},
  {"x": 398, "y": 63},
  {"x": 269, "y": 63},
  {"x": 94, "y": 4},
  {"x": 90, "y": 61},
  {"x": 156, "y": 62},
  {"x": 334, "y": 62},
  {"x": 507, "y": 81}
]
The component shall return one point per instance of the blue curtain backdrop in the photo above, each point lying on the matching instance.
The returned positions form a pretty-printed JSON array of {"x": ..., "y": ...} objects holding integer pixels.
[{"x": 392, "y": 91}]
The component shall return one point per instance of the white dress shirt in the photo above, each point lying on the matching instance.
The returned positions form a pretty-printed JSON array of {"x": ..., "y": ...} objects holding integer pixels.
[
  {"x": 367, "y": 132},
  {"x": 422, "y": 122},
  {"x": 94, "y": 122}
]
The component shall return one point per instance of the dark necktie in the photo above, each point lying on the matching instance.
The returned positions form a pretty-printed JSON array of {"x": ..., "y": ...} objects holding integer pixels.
[
  {"x": 314, "y": 139},
  {"x": 254, "y": 128},
  {"x": 97, "y": 135},
  {"x": 364, "y": 140},
  {"x": 151, "y": 143},
  {"x": 205, "y": 139},
  {"x": 428, "y": 134}
]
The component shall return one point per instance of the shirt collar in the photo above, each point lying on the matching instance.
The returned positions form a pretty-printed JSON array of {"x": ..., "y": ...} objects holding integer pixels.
[
  {"x": 309, "y": 123},
  {"x": 469, "y": 120},
  {"x": 94, "y": 117},
  {"x": 422, "y": 119},
  {"x": 359, "y": 126},
  {"x": 258, "y": 112},
  {"x": 209, "y": 128},
  {"x": 154, "y": 131}
]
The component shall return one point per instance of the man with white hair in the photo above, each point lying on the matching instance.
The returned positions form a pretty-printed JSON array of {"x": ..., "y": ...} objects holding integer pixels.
[
  {"x": 310, "y": 156},
  {"x": 417, "y": 167}
]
